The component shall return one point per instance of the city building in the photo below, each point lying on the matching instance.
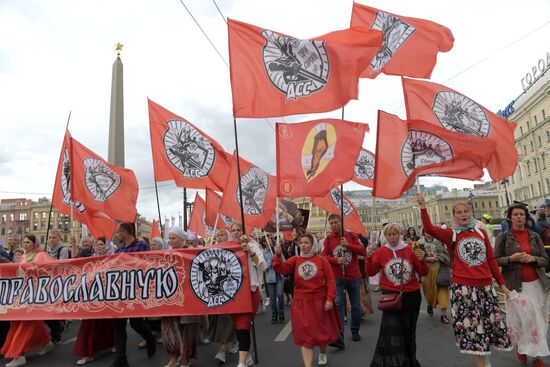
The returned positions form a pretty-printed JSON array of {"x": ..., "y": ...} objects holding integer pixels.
[
  {"x": 530, "y": 111},
  {"x": 39, "y": 222},
  {"x": 14, "y": 218}
]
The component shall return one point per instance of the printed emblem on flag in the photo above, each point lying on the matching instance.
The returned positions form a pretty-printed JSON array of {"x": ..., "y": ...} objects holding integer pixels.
[
  {"x": 216, "y": 275},
  {"x": 226, "y": 219},
  {"x": 255, "y": 183},
  {"x": 298, "y": 68},
  {"x": 472, "y": 251},
  {"x": 336, "y": 196},
  {"x": 188, "y": 150},
  {"x": 101, "y": 181},
  {"x": 66, "y": 183},
  {"x": 318, "y": 149},
  {"x": 393, "y": 271},
  {"x": 395, "y": 34},
  {"x": 459, "y": 113},
  {"x": 210, "y": 231},
  {"x": 423, "y": 148},
  {"x": 364, "y": 167},
  {"x": 341, "y": 251},
  {"x": 307, "y": 270}
]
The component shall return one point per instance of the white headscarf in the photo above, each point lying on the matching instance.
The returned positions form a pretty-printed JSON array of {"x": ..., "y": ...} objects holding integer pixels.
[
  {"x": 159, "y": 241},
  {"x": 315, "y": 249},
  {"x": 400, "y": 246},
  {"x": 177, "y": 231}
]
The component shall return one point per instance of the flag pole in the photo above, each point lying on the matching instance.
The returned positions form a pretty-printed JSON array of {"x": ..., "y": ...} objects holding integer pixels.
[
  {"x": 310, "y": 209},
  {"x": 343, "y": 236},
  {"x": 215, "y": 228},
  {"x": 51, "y": 201},
  {"x": 373, "y": 220},
  {"x": 253, "y": 328},
  {"x": 277, "y": 218},
  {"x": 185, "y": 209},
  {"x": 158, "y": 207}
]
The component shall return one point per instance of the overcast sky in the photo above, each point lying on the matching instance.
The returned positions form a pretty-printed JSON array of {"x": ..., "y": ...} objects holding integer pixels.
[{"x": 57, "y": 55}]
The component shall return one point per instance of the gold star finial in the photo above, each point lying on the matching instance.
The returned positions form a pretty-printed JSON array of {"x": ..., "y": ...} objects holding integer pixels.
[{"x": 118, "y": 48}]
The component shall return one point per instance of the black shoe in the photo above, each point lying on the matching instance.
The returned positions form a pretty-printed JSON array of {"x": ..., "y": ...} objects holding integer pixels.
[
  {"x": 151, "y": 346},
  {"x": 355, "y": 337},
  {"x": 430, "y": 310},
  {"x": 444, "y": 319},
  {"x": 274, "y": 319},
  {"x": 281, "y": 318},
  {"x": 338, "y": 344},
  {"x": 120, "y": 362}
]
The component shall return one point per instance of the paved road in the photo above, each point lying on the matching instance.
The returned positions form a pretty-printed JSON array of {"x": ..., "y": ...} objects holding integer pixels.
[{"x": 435, "y": 348}]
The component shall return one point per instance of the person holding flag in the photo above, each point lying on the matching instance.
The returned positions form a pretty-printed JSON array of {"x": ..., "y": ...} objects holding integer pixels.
[
  {"x": 314, "y": 319},
  {"x": 478, "y": 321},
  {"x": 256, "y": 267},
  {"x": 342, "y": 251}
]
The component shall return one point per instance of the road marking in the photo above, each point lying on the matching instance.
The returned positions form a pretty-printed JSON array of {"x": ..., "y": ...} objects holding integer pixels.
[
  {"x": 283, "y": 335},
  {"x": 68, "y": 341}
]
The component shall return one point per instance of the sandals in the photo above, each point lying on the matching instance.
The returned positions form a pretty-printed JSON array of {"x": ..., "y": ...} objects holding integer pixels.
[{"x": 444, "y": 319}]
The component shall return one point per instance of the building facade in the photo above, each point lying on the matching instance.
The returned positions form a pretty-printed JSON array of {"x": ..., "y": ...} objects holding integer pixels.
[
  {"x": 39, "y": 222},
  {"x": 530, "y": 182},
  {"x": 14, "y": 218}
]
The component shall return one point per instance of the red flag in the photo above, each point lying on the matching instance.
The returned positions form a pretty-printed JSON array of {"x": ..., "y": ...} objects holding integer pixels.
[
  {"x": 259, "y": 195},
  {"x": 276, "y": 75},
  {"x": 443, "y": 106},
  {"x": 183, "y": 153},
  {"x": 409, "y": 45},
  {"x": 363, "y": 172},
  {"x": 213, "y": 201},
  {"x": 99, "y": 224},
  {"x": 101, "y": 186},
  {"x": 405, "y": 149},
  {"x": 315, "y": 156},
  {"x": 331, "y": 204},
  {"x": 155, "y": 231},
  {"x": 196, "y": 223}
]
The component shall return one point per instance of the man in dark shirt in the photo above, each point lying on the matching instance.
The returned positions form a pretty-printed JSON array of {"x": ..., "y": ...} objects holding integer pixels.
[{"x": 129, "y": 243}]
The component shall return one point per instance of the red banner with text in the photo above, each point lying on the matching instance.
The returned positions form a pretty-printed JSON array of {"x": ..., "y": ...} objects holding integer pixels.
[{"x": 192, "y": 281}]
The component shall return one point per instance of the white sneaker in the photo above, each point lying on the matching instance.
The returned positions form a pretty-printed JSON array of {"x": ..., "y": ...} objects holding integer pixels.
[
  {"x": 220, "y": 357},
  {"x": 322, "y": 359},
  {"x": 44, "y": 350},
  {"x": 241, "y": 365},
  {"x": 249, "y": 360},
  {"x": 16, "y": 362},
  {"x": 83, "y": 361},
  {"x": 234, "y": 348}
]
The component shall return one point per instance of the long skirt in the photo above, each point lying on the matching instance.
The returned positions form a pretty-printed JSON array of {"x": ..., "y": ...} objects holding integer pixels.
[
  {"x": 180, "y": 340},
  {"x": 526, "y": 317},
  {"x": 93, "y": 337},
  {"x": 435, "y": 295},
  {"x": 311, "y": 325},
  {"x": 23, "y": 337},
  {"x": 396, "y": 346},
  {"x": 220, "y": 329},
  {"x": 477, "y": 320}
]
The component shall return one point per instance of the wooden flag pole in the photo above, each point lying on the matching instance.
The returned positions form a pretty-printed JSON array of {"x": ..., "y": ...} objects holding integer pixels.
[
  {"x": 158, "y": 207},
  {"x": 215, "y": 230},
  {"x": 55, "y": 183},
  {"x": 253, "y": 328},
  {"x": 185, "y": 209}
]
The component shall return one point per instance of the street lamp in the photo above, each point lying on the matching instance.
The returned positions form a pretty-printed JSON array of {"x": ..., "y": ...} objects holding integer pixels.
[
  {"x": 504, "y": 183},
  {"x": 471, "y": 202}
]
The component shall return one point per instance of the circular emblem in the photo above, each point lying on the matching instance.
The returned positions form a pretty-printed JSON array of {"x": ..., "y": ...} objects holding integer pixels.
[
  {"x": 285, "y": 132},
  {"x": 364, "y": 167},
  {"x": 188, "y": 150},
  {"x": 341, "y": 251},
  {"x": 210, "y": 231},
  {"x": 395, "y": 33},
  {"x": 422, "y": 148},
  {"x": 472, "y": 251},
  {"x": 101, "y": 181},
  {"x": 287, "y": 186},
  {"x": 318, "y": 149},
  {"x": 255, "y": 183},
  {"x": 65, "y": 182},
  {"x": 226, "y": 219},
  {"x": 307, "y": 270},
  {"x": 297, "y": 68},
  {"x": 216, "y": 275},
  {"x": 457, "y": 112},
  {"x": 336, "y": 196},
  {"x": 392, "y": 270}
]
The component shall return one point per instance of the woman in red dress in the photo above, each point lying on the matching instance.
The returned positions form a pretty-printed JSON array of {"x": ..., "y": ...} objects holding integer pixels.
[
  {"x": 24, "y": 336},
  {"x": 315, "y": 322}
]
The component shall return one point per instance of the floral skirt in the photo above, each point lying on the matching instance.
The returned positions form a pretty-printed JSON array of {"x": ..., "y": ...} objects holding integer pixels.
[
  {"x": 526, "y": 317},
  {"x": 477, "y": 320}
]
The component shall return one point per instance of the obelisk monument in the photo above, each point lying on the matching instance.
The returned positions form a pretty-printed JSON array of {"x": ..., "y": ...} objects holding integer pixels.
[{"x": 116, "y": 124}]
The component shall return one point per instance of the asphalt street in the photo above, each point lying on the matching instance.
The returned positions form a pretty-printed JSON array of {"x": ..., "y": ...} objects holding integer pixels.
[{"x": 276, "y": 348}]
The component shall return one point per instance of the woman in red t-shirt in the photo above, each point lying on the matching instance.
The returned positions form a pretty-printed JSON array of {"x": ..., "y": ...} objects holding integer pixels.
[
  {"x": 521, "y": 255},
  {"x": 398, "y": 264},
  {"x": 315, "y": 321},
  {"x": 478, "y": 322}
]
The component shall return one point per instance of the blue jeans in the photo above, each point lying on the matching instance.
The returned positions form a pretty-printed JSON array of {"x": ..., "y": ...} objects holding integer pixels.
[
  {"x": 276, "y": 297},
  {"x": 352, "y": 289}
]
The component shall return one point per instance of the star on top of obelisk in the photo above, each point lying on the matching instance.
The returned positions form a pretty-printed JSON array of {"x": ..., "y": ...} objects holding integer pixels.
[{"x": 118, "y": 48}]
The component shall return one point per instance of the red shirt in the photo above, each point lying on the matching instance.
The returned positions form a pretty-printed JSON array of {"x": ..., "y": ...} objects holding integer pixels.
[
  {"x": 474, "y": 261},
  {"x": 332, "y": 251},
  {"x": 390, "y": 264},
  {"x": 312, "y": 276},
  {"x": 528, "y": 273}
]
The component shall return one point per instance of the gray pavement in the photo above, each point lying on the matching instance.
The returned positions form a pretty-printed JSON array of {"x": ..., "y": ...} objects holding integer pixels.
[{"x": 276, "y": 348}]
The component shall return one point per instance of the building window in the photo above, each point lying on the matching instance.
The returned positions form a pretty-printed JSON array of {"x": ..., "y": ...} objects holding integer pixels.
[
  {"x": 532, "y": 190},
  {"x": 12, "y": 217},
  {"x": 23, "y": 216},
  {"x": 475, "y": 205},
  {"x": 4, "y": 217},
  {"x": 35, "y": 227},
  {"x": 532, "y": 147},
  {"x": 42, "y": 239},
  {"x": 446, "y": 208},
  {"x": 548, "y": 136},
  {"x": 536, "y": 165},
  {"x": 483, "y": 204},
  {"x": 3, "y": 231},
  {"x": 490, "y": 204},
  {"x": 521, "y": 131},
  {"x": 540, "y": 141},
  {"x": 528, "y": 168},
  {"x": 540, "y": 187},
  {"x": 35, "y": 215},
  {"x": 536, "y": 122},
  {"x": 524, "y": 150},
  {"x": 543, "y": 160},
  {"x": 548, "y": 185},
  {"x": 528, "y": 126},
  {"x": 543, "y": 114},
  {"x": 44, "y": 215}
]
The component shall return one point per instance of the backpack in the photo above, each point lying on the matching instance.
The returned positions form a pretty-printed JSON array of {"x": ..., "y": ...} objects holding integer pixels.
[
  {"x": 545, "y": 235},
  {"x": 58, "y": 252}
]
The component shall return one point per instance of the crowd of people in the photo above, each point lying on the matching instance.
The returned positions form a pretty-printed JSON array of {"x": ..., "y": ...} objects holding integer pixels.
[{"x": 329, "y": 282}]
